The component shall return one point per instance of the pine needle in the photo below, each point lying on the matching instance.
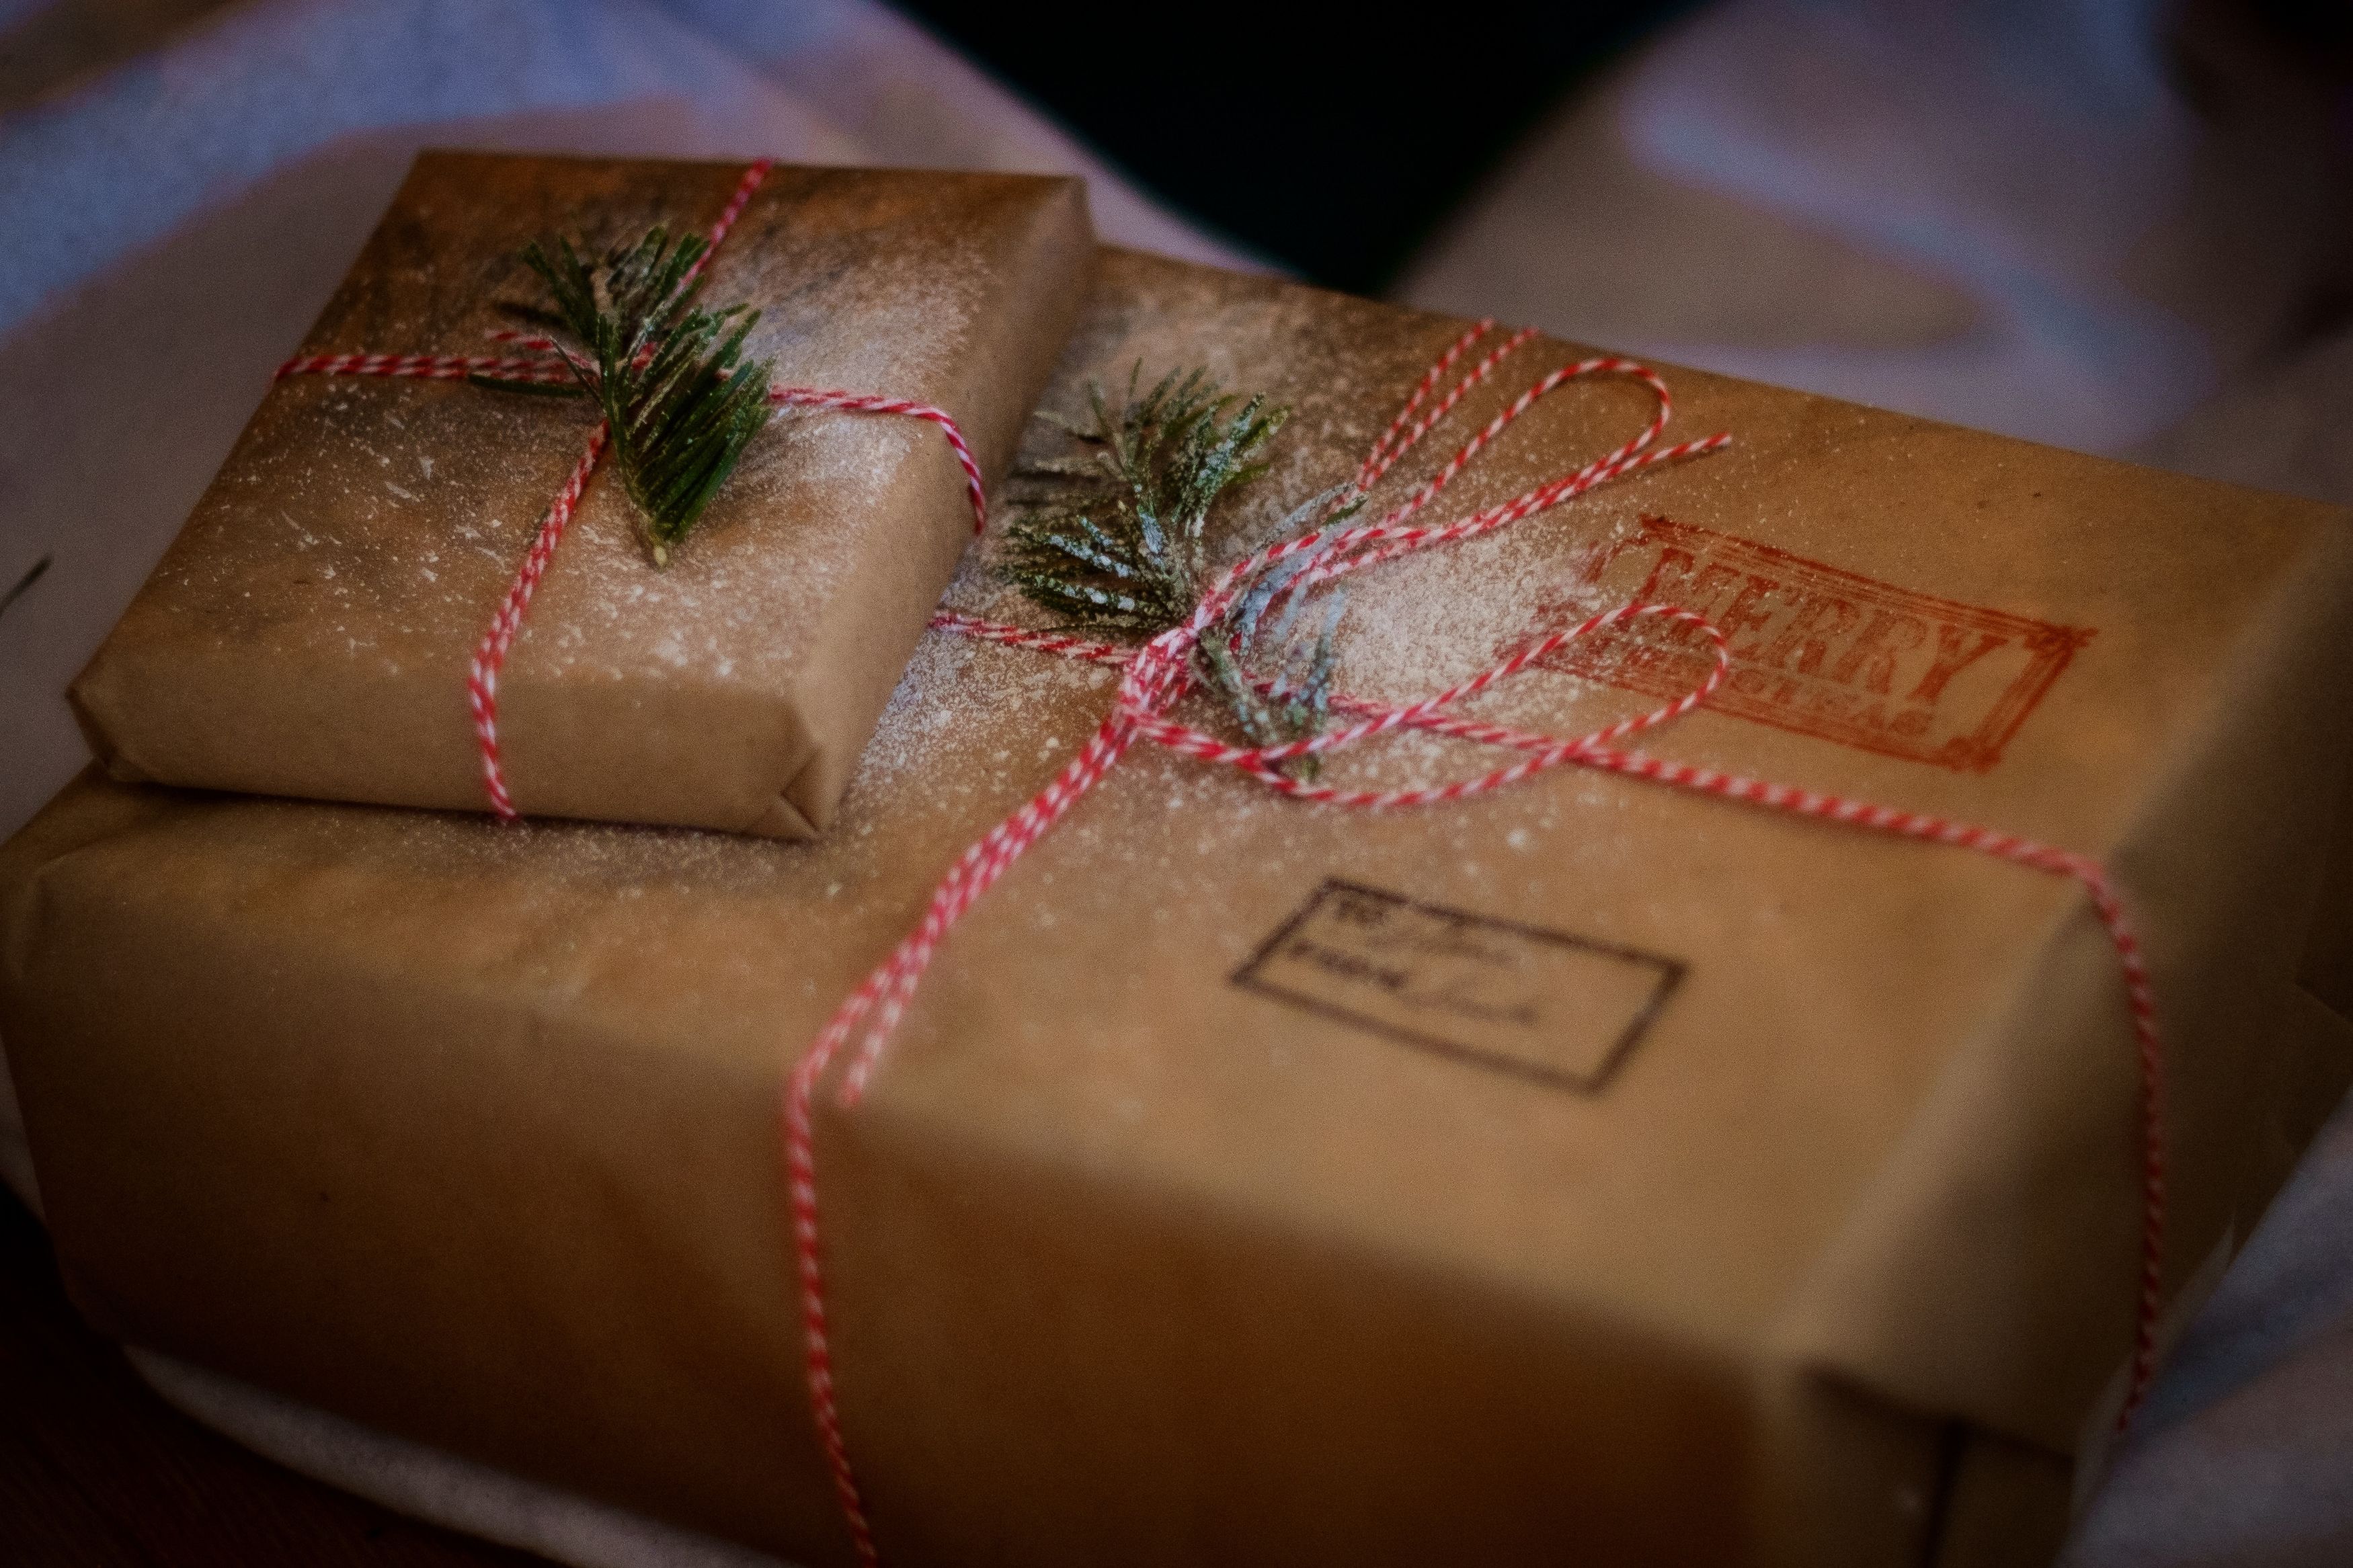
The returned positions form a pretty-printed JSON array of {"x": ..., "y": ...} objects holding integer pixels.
[
  {"x": 1124, "y": 546},
  {"x": 670, "y": 375}
]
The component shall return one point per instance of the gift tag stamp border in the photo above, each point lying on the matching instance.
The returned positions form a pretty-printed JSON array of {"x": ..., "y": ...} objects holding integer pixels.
[{"x": 1264, "y": 973}]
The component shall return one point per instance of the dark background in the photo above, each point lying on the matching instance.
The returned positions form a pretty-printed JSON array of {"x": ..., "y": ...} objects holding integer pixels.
[{"x": 1327, "y": 138}]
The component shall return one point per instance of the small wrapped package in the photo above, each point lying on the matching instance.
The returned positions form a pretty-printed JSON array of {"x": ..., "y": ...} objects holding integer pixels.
[
  {"x": 1588, "y": 1168},
  {"x": 314, "y": 629}
]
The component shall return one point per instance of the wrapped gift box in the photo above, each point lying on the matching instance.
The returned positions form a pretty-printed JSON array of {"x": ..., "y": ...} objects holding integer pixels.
[
  {"x": 309, "y": 632},
  {"x": 1588, "y": 1168}
]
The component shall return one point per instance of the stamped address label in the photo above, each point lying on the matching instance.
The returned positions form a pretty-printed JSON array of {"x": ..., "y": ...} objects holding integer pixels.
[{"x": 1541, "y": 1004}]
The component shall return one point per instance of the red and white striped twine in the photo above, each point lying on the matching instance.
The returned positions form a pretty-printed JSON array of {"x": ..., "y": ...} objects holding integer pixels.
[
  {"x": 1160, "y": 672},
  {"x": 869, "y": 402},
  {"x": 547, "y": 364}
]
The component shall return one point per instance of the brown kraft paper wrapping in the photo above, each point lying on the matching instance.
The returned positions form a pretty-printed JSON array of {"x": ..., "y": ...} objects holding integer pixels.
[
  {"x": 1584, "y": 1171},
  {"x": 309, "y": 633}
]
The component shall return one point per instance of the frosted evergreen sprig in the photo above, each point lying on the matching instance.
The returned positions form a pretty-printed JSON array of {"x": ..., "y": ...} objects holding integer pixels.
[
  {"x": 670, "y": 375},
  {"x": 1124, "y": 546}
]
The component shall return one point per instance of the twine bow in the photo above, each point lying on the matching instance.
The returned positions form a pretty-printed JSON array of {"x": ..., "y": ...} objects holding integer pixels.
[
  {"x": 1157, "y": 676},
  {"x": 544, "y": 361}
]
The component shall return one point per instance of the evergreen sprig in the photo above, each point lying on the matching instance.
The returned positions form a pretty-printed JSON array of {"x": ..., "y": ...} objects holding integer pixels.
[
  {"x": 1124, "y": 547},
  {"x": 681, "y": 401}
]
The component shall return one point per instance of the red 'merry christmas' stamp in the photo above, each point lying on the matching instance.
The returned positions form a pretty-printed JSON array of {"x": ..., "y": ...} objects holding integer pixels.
[{"x": 1814, "y": 649}]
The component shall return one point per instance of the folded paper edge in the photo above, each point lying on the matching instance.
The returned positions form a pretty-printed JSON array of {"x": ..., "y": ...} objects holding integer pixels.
[
  {"x": 430, "y": 1484},
  {"x": 411, "y": 1479},
  {"x": 1832, "y": 1321}
]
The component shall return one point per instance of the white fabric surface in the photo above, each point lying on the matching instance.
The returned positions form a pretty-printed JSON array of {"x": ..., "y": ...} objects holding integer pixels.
[
  {"x": 168, "y": 227},
  {"x": 429, "y": 1484},
  {"x": 2001, "y": 213}
]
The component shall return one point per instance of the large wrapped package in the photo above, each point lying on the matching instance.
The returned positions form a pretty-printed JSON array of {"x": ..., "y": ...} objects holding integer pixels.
[
  {"x": 1591, "y": 1168},
  {"x": 314, "y": 629}
]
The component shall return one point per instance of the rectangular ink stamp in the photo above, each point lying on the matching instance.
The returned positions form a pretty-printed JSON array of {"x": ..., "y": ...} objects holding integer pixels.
[
  {"x": 1541, "y": 1004},
  {"x": 1816, "y": 650}
]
